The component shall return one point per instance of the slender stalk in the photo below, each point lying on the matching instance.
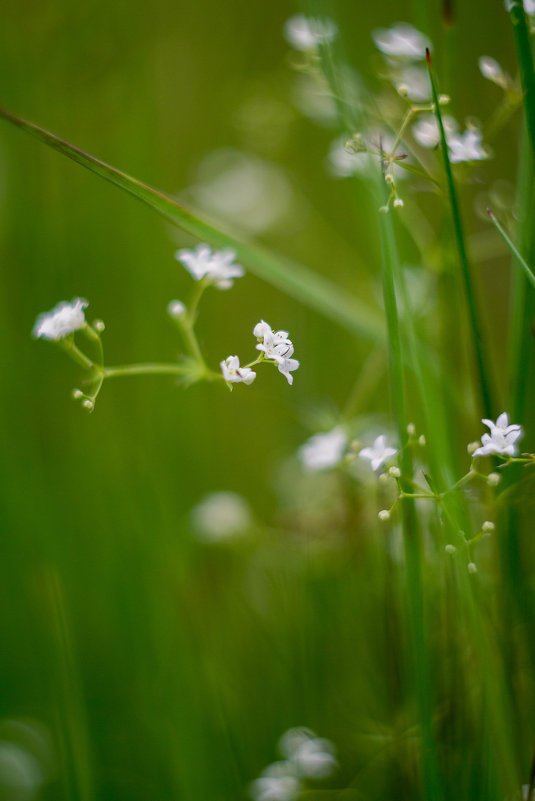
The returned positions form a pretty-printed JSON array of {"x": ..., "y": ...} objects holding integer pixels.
[
  {"x": 75, "y": 353},
  {"x": 146, "y": 369},
  {"x": 410, "y": 523},
  {"x": 484, "y": 387},
  {"x": 512, "y": 247},
  {"x": 525, "y": 65}
]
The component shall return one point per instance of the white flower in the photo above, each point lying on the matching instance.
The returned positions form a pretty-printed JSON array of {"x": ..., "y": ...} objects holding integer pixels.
[
  {"x": 323, "y": 450},
  {"x": 176, "y": 309},
  {"x": 277, "y": 346},
  {"x": 491, "y": 70},
  {"x": 378, "y": 453},
  {"x": 221, "y": 516},
  {"x": 502, "y": 438},
  {"x": 466, "y": 146},
  {"x": 306, "y": 33},
  {"x": 278, "y": 782},
  {"x": 416, "y": 82},
  {"x": 234, "y": 373},
  {"x": 426, "y": 131},
  {"x": 62, "y": 320},
  {"x": 529, "y": 6},
  {"x": 401, "y": 40},
  {"x": 217, "y": 265},
  {"x": 312, "y": 756}
]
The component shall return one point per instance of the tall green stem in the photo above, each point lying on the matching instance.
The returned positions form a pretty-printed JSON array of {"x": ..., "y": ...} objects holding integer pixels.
[{"x": 525, "y": 65}]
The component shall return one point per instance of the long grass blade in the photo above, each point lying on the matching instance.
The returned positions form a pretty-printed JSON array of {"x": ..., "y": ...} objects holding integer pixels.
[
  {"x": 525, "y": 65},
  {"x": 296, "y": 280}
]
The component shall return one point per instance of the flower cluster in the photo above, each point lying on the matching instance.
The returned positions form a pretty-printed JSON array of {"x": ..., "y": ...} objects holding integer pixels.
[
  {"x": 502, "y": 439},
  {"x": 306, "y": 757},
  {"x": 63, "y": 320},
  {"x": 216, "y": 265},
  {"x": 275, "y": 347}
]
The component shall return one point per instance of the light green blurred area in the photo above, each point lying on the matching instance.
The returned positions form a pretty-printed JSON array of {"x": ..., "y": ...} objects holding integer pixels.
[{"x": 166, "y": 668}]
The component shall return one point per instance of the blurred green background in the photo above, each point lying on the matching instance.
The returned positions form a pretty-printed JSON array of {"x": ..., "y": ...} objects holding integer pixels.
[{"x": 163, "y": 667}]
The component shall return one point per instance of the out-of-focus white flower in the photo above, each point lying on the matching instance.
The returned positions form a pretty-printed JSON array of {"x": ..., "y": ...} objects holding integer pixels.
[
  {"x": 467, "y": 146},
  {"x": 492, "y": 71},
  {"x": 425, "y": 129},
  {"x": 276, "y": 346},
  {"x": 313, "y": 757},
  {"x": 62, "y": 320},
  {"x": 323, "y": 450},
  {"x": 306, "y": 33},
  {"x": 415, "y": 81},
  {"x": 221, "y": 516},
  {"x": 176, "y": 309},
  {"x": 278, "y": 782},
  {"x": 342, "y": 163},
  {"x": 379, "y": 453},
  {"x": 529, "y": 6},
  {"x": 236, "y": 187},
  {"x": 401, "y": 41},
  {"x": 218, "y": 265},
  {"x": 235, "y": 374},
  {"x": 502, "y": 438}
]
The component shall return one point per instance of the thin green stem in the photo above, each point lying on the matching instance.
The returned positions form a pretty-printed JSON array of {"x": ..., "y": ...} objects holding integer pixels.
[
  {"x": 146, "y": 369},
  {"x": 484, "y": 387},
  {"x": 75, "y": 353},
  {"x": 512, "y": 247}
]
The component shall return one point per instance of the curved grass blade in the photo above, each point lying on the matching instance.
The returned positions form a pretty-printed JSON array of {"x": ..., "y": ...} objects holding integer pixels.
[
  {"x": 512, "y": 247},
  {"x": 525, "y": 65},
  {"x": 296, "y": 280}
]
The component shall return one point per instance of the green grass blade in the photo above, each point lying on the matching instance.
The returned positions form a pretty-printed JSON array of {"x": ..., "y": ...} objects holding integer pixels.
[
  {"x": 512, "y": 247},
  {"x": 525, "y": 65},
  {"x": 484, "y": 387},
  {"x": 296, "y": 280}
]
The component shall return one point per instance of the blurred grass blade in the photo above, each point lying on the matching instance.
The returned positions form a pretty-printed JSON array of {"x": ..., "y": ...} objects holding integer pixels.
[
  {"x": 525, "y": 66},
  {"x": 463, "y": 257},
  {"x": 288, "y": 276},
  {"x": 512, "y": 247}
]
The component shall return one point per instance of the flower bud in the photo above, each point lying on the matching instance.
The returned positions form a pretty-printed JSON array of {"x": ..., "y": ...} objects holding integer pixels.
[
  {"x": 488, "y": 527},
  {"x": 398, "y": 203},
  {"x": 389, "y": 179},
  {"x": 88, "y": 404},
  {"x": 176, "y": 309},
  {"x": 99, "y": 326},
  {"x": 451, "y": 549},
  {"x": 395, "y": 472},
  {"x": 472, "y": 446},
  {"x": 472, "y": 567},
  {"x": 493, "y": 479},
  {"x": 422, "y": 440},
  {"x": 77, "y": 394},
  {"x": 384, "y": 515},
  {"x": 411, "y": 429}
]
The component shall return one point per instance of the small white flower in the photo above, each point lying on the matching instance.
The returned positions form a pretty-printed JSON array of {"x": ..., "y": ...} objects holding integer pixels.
[
  {"x": 466, "y": 146},
  {"x": 276, "y": 346},
  {"x": 426, "y": 131},
  {"x": 176, "y": 309},
  {"x": 401, "y": 40},
  {"x": 488, "y": 527},
  {"x": 384, "y": 515},
  {"x": 313, "y": 757},
  {"x": 492, "y": 71},
  {"x": 234, "y": 373},
  {"x": 62, "y": 320},
  {"x": 278, "y": 782},
  {"x": 306, "y": 33},
  {"x": 221, "y": 516},
  {"x": 502, "y": 438},
  {"x": 379, "y": 453},
  {"x": 323, "y": 450},
  {"x": 218, "y": 265},
  {"x": 414, "y": 83}
]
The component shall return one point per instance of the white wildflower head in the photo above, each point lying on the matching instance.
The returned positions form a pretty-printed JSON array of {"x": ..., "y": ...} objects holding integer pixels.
[
  {"x": 502, "y": 439},
  {"x": 426, "y": 131},
  {"x": 401, "y": 41},
  {"x": 217, "y": 265},
  {"x": 277, "y": 347},
  {"x": 313, "y": 757},
  {"x": 233, "y": 373},
  {"x": 62, "y": 320},
  {"x": 306, "y": 33},
  {"x": 323, "y": 450},
  {"x": 176, "y": 309},
  {"x": 466, "y": 146},
  {"x": 221, "y": 516},
  {"x": 379, "y": 453},
  {"x": 278, "y": 782},
  {"x": 492, "y": 71}
]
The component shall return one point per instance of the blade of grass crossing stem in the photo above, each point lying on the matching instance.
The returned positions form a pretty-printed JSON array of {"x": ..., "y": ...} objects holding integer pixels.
[
  {"x": 484, "y": 387},
  {"x": 410, "y": 523},
  {"x": 525, "y": 65},
  {"x": 512, "y": 247},
  {"x": 290, "y": 277}
]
